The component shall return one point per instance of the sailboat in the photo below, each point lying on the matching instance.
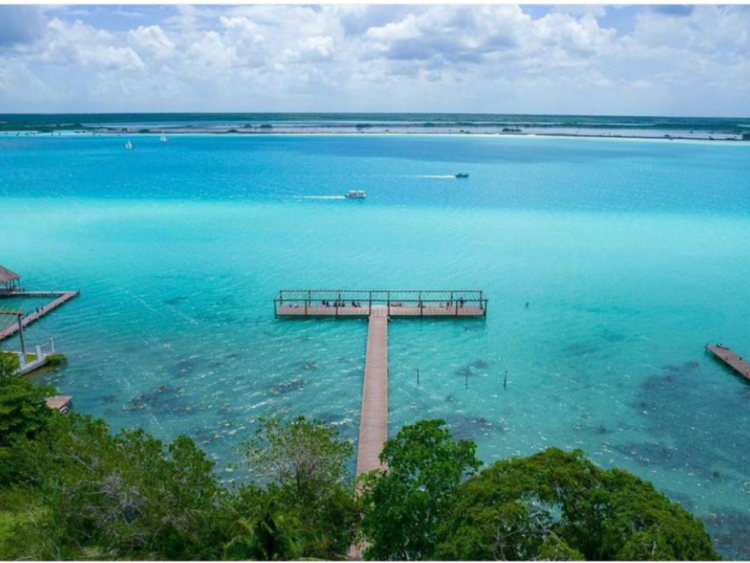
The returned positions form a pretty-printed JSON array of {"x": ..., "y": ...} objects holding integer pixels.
[
  {"x": 163, "y": 138},
  {"x": 129, "y": 145}
]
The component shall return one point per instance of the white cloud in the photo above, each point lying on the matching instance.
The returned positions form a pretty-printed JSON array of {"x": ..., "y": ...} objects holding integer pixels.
[
  {"x": 152, "y": 39},
  {"x": 398, "y": 58}
]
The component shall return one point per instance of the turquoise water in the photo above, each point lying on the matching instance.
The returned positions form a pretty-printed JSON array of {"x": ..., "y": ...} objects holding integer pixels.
[{"x": 631, "y": 254}]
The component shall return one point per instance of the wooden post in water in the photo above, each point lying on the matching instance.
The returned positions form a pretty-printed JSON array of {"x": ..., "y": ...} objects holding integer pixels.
[{"x": 23, "y": 341}]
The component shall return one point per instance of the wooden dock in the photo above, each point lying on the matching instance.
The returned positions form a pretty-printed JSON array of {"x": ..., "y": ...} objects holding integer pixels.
[
  {"x": 61, "y": 297},
  {"x": 737, "y": 363},
  {"x": 379, "y": 306},
  {"x": 59, "y": 402},
  {"x": 397, "y": 303},
  {"x": 373, "y": 426}
]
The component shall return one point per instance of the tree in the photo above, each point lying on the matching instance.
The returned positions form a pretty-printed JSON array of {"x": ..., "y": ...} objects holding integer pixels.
[
  {"x": 271, "y": 535},
  {"x": 559, "y": 505},
  {"x": 305, "y": 458},
  {"x": 118, "y": 496},
  {"x": 23, "y": 411},
  {"x": 305, "y": 464},
  {"x": 405, "y": 503}
]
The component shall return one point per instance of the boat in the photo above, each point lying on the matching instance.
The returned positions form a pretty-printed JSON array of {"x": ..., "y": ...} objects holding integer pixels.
[
  {"x": 356, "y": 194},
  {"x": 163, "y": 138},
  {"x": 129, "y": 145},
  {"x": 462, "y": 175}
]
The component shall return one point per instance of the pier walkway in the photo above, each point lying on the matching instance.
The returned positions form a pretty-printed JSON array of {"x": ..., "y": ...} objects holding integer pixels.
[
  {"x": 379, "y": 307},
  {"x": 373, "y": 426},
  {"x": 61, "y": 297},
  {"x": 737, "y": 363}
]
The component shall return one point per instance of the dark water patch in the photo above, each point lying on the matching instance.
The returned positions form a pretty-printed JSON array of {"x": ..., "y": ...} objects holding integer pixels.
[
  {"x": 108, "y": 399},
  {"x": 163, "y": 398},
  {"x": 234, "y": 356},
  {"x": 596, "y": 429},
  {"x": 469, "y": 427},
  {"x": 730, "y": 532},
  {"x": 579, "y": 349},
  {"x": 655, "y": 455},
  {"x": 450, "y": 398},
  {"x": 612, "y": 336},
  {"x": 287, "y": 387},
  {"x": 481, "y": 364},
  {"x": 174, "y": 301},
  {"x": 185, "y": 366},
  {"x": 704, "y": 416},
  {"x": 215, "y": 364}
]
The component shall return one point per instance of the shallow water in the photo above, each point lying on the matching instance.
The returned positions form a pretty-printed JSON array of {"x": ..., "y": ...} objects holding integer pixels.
[{"x": 631, "y": 254}]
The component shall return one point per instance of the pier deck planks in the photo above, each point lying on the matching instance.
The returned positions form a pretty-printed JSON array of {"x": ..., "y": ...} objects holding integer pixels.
[
  {"x": 373, "y": 427},
  {"x": 737, "y": 363},
  {"x": 62, "y": 298}
]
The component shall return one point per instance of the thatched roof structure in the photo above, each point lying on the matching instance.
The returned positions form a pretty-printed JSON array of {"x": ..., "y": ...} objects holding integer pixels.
[{"x": 7, "y": 276}]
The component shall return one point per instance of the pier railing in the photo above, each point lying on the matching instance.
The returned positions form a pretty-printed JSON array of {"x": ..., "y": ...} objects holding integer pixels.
[{"x": 336, "y": 299}]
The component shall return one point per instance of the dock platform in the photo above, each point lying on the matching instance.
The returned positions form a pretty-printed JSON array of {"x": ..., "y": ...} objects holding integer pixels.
[
  {"x": 737, "y": 363},
  {"x": 61, "y": 297},
  {"x": 399, "y": 303},
  {"x": 59, "y": 402}
]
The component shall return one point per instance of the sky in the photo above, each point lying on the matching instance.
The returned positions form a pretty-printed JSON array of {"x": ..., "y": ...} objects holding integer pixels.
[{"x": 613, "y": 60}]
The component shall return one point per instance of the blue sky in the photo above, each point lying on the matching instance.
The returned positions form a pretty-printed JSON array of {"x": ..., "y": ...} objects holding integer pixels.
[{"x": 630, "y": 60}]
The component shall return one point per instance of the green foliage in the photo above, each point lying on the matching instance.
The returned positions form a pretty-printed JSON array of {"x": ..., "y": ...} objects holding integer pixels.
[
  {"x": 306, "y": 465},
  {"x": 305, "y": 458},
  {"x": 121, "y": 495},
  {"x": 405, "y": 503},
  {"x": 558, "y": 505},
  {"x": 271, "y": 534},
  {"x": 56, "y": 359},
  {"x": 23, "y": 412}
]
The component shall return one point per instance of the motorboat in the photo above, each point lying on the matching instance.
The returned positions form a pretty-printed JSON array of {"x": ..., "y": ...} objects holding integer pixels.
[
  {"x": 356, "y": 194},
  {"x": 129, "y": 145},
  {"x": 462, "y": 175}
]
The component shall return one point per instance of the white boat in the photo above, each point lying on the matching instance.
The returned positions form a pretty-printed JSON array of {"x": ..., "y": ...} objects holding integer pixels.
[
  {"x": 129, "y": 145},
  {"x": 163, "y": 138},
  {"x": 356, "y": 194}
]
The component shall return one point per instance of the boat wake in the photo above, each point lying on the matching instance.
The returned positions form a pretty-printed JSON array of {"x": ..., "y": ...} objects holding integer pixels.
[
  {"x": 321, "y": 197},
  {"x": 437, "y": 176}
]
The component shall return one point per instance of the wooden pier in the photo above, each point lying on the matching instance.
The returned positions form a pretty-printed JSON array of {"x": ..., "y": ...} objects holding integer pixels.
[
  {"x": 379, "y": 307},
  {"x": 737, "y": 363},
  {"x": 61, "y": 297},
  {"x": 373, "y": 426}
]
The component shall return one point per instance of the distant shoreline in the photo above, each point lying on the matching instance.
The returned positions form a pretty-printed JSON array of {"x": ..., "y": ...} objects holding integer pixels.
[{"x": 373, "y": 130}]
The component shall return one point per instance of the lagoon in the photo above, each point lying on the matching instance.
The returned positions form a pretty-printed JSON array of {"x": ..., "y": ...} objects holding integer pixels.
[{"x": 631, "y": 254}]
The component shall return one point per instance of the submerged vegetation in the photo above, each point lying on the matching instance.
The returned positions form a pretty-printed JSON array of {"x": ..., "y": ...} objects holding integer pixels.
[{"x": 71, "y": 488}]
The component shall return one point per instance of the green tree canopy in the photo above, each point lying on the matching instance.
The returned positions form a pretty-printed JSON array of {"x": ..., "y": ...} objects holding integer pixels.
[
  {"x": 23, "y": 412},
  {"x": 405, "y": 503},
  {"x": 305, "y": 464},
  {"x": 117, "y": 495},
  {"x": 558, "y": 505}
]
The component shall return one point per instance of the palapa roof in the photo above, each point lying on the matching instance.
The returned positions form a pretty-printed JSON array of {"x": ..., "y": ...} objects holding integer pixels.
[{"x": 7, "y": 275}]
